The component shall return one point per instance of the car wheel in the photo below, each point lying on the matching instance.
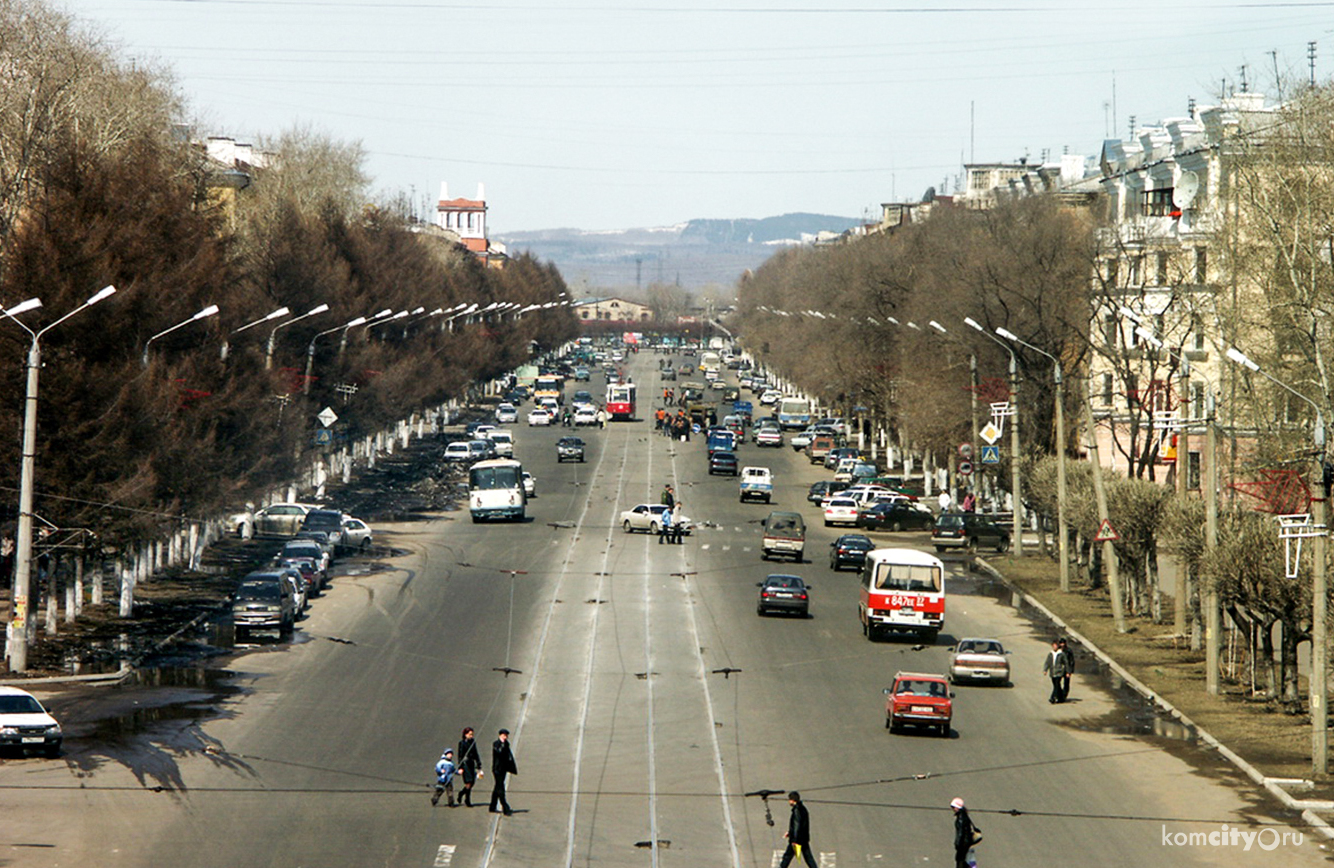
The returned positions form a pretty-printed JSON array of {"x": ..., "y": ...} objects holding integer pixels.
[
  {"x": 941, "y": 548},
  {"x": 51, "y": 751},
  {"x": 896, "y": 527},
  {"x": 929, "y": 637},
  {"x": 971, "y": 545},
  {"x": 627, "y": 527},
  {"x": 1003, "y": 546},
  {"x": 944, "y": 730},
  {"x": 889, "y": 723},
  {"x": 759, "y": 610},
  {"x": 653, "y": 527}
]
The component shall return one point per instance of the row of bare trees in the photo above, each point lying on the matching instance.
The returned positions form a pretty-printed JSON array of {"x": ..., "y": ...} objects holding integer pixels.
[{"x": 98, "y": 187}]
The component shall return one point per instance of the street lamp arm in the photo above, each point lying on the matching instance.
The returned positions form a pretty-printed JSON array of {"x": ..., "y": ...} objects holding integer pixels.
[{"x": 1242, "y": 359}]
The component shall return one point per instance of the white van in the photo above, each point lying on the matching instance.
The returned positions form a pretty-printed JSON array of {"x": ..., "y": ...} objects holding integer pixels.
[{"x": 503, "y": 441}]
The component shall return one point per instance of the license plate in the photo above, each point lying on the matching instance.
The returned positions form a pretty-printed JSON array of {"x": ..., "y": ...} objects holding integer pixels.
[
  {"x": 784, "y": 596},
  {"x": 923, "y": 709},
  {"x": 30, "y": 740},
  {"x": 981, "y": 673},
  {"x": 905, "y": 610}
]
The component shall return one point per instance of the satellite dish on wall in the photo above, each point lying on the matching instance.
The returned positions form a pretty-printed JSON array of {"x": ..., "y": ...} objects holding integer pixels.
[{"x": 1188, "y": 186}]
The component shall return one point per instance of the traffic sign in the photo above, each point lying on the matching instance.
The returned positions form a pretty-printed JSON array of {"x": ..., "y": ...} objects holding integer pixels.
[
  {"x": 990, "y": 433},
  {"x": 323, "y": 436},
  {"x": 965, "y": 450},
  {"x": 327, "y": 417},
  {"x": 965, "y": 468},
  {"x": 991, "y": 454},
  {"x": 1106, "y": 533}
]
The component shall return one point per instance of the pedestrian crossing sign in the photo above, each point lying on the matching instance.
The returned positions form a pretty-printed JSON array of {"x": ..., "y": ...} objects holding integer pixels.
[{"x": 990, "y": 454}]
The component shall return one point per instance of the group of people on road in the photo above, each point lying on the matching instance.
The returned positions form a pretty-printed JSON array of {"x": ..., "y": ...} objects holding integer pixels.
[
  {"x": 966, "y": 834},
  {"x": 670, "y": 531},
  {"x": 466, "y": 763},
  {"x": 677, "y": 426}
]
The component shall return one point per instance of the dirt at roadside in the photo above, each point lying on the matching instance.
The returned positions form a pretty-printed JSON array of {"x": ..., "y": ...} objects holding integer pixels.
[{"x": 405, "y": 486}]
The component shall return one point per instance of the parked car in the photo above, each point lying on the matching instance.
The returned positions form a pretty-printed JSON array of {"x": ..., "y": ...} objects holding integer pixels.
[
  {"x": 919, "y": 699},
  {"x": 895, "y": 515},
  {"x": 784, "y": 534},
  {"x": 356, "y": 534},
  {"x": 802, "y": 439},
  {"x": 25, "y": 725},
  {"x": 311, "y": 551},
  {"x": 307, "y": 580},
  {"x": 539, "y": 416},
  {"x": 978, "y": 659},
  {"x": 321, "y": 539},
  {"x": 969, "y": 531},
  {"x": 824, "y": 487},
  {"x": 502, "y": 443},
  {"x": 570, "y": 449},
  {"x": 836, "y": 455},
  {"x": 780, "y": 593},
  {"x": 849, "y": 550},
  {"x": 265, "y": 600},
  {"x": 328, "y": 520},
  {"x": 724, "y": 463},
  {"x": 507, "y": 414},
  {"x": 647, "y": 517},
  {"x": 274, "y": 520},
  {"x": 455, "y": 453},
  {"x": 840, "y": 510},
  {"x": 819, "y": 447},
  {"x": 770, "y": 397}
]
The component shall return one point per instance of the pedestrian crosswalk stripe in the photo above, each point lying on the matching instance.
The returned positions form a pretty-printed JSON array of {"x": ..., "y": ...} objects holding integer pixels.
[
  {"x": 727, "y": 548},
  {"x": 705, "y": 546},
  {"x": 444, "y": 856},
  {"x": 826, "y": 860}
]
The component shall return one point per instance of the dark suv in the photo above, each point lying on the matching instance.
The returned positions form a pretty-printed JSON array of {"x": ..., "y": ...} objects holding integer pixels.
[
  {"x": 328, "y": 520},
  {"x": 569, "y": 449},
  {"x": 968, "y": 530}
]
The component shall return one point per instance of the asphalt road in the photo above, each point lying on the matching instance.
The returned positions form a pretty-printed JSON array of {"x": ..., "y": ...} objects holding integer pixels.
[{"x": 634, "y": 746}]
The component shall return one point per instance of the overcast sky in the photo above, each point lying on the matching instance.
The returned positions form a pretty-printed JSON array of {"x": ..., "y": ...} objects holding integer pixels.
[{"x": 609, "y": 115}]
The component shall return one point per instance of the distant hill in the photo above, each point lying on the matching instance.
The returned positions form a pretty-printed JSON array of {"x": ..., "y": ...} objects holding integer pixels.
[{"x": 694, "y": 254}]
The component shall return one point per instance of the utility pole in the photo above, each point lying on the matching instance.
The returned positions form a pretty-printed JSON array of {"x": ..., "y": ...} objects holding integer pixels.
[{"x": 1100, "y": 495}]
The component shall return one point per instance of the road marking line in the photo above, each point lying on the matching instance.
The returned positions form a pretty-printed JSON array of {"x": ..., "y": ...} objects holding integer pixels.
[
  {"x": 727, "y": 548},
  {"x": 444, "y": 856},
  {"x": 778, "y": 858},
  {"x": 828, "y": 860},
  {"x": 704, "y": 547}
]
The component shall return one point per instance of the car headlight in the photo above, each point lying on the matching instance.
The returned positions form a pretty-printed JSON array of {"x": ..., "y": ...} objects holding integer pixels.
[
  {"x": 9, "y": 730},
  {"x": 53, "y": 729}
]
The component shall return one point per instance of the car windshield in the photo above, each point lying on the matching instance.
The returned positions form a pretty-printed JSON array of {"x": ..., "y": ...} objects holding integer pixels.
[
  {"x": 907, "y": 577},
  {"x": 301, "y": 551},
  {"x": 20, "y": 705},
  {"x": 921, "y": 688},
  {"x": 323, "y": 520},
  {"x": 951, "y": 522},
  {"x": 257, "y": 591},
  {"x": 783, "y": 582},
  {"x": 976, "y": 646}
]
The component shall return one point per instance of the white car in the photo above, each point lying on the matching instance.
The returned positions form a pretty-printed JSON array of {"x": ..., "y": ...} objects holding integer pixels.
[
  {"x": 25, "y": 725},
  {"x": 356, "y": 533},
  {"x": 840, "y": 510},
  {"x": 529, "y": 484},
  {"x": 802, "y": 439},
  {"x": 769, "y": 436},
  {"x": 586, "y": 414},
  {"x": 276, "y": 519},
  {"x": 539, "y": 416},
  {"x": 770, "y": 397},
  {"x": 648, "y": 518},
  {"x": 507, "y": 414},
  {"x": 458, "y": 451},
  {"x": 480, "y": 432},
  {"x": 503, "y": 441}
]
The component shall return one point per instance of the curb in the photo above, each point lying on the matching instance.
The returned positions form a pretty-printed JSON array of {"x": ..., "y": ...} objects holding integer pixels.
[{"x": 1306, "y": 807}]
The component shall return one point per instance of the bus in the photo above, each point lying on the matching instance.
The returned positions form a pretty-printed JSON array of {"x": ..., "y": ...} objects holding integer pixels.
[
  {"x": 495, "y": 490},
  {"x": 902, "y": 590},
  {"x": 710, "y": 361},
  {"x": 549, "y": 386},
  {"x": 621, "y": 401},
  {"x": 794, "y": 412}
]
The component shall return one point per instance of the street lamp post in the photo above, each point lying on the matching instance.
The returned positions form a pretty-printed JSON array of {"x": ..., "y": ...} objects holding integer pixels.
[
  {"x": 1213, "y": 618},
  {"x": 972, "y": 382},
  {"x": 268, "y": 352},
  {"x": 1319, "y": 582},
  {"x": 203, "y": 314},
  {"x": 1062, "y": 526},
  {"x": 310, "y": 348},
  {"x": 277, "y": 314},
  {"x": 1014, "y": 436},
  {"x": 18, "y": 627}
]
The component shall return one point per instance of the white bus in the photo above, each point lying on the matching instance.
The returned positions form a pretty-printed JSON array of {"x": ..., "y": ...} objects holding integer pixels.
[
  {"x": 495, "y": 490},
  {"x": 794, "y": 412},
  {"x": 710, "y": 361}
]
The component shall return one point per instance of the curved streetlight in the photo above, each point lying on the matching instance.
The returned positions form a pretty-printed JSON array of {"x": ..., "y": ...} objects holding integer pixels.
[
  {"x": 367, "y": 321},
  {"x": 1014, "y": 434},
  {"x": 277, "y": 314},
  {"x": 203, "y": 314},
  {"x": 1319, "y": 686},
  {"x": 972, "y": 378},
  {"x": 310, "y": 348},
  {"x": 1062, "y": 526},
  {"x": 268, "y": 352},
  {"x": 18, "y": 646}
]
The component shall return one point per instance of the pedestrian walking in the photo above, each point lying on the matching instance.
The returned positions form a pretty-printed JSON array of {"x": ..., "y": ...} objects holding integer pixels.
[
  {"x": 966, "y": 836},
  {"x": 602, "y": 418},
  {"x": 470, "y": 765},
  {"x": 944, "y": 500},
  {"x": 1069, "y": 669},
  {"x": 444, "y": 778},
  {"x": 502, "y": 765},
  {"x": 668, "y": 498},
  {"x": 665, "y": 529},
  {"x": 678, "y": 526},
  {"x": 969, "y": 502},
  {"x": 798, "y": 833},
  {"x": 1057, "y": 666}
]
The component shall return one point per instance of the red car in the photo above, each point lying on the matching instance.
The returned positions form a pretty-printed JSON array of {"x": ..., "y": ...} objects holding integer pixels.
[{"x": 919, "y": 699}]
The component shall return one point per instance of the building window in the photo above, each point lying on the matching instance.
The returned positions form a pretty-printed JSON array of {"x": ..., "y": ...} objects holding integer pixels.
[
  {"x": 1136, "y": 271},
  {"x": 1158, "y": 203},
  {"x": 1197, "y": 333},
  {"x": 1193, "y": 471},
  {"x": 1109, "y": 331},
  {"x": 1162, "y": 269},
  {"x": 1196, "y": 409},
  {"x": 1107, "y": 390},
  {"x": 1132, "y": 391},
  {"x": 1201, "y": 265}
]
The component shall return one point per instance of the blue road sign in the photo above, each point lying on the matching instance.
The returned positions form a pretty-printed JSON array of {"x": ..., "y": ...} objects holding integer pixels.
[{"x": 990, "y": 454}]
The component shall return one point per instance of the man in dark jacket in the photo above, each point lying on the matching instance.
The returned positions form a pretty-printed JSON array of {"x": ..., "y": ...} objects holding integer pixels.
[
  {"x": 1057, "y": 666},
  {"x": 798, "y": 833},
  {"x": 964, "y": 833},
  {"x": 502, "y": 764}
]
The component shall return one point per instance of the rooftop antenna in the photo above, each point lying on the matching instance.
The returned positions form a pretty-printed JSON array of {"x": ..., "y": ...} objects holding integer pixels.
[
  {"x": 972, "y": 126},
  {"x": 1190, "y": 106},
  {"x": 1132, "y": 127},
  {"x": 1245, "y": 86},
  {"x": 1310, "y": 59},
  {"x": 1278, "y": 82}
]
